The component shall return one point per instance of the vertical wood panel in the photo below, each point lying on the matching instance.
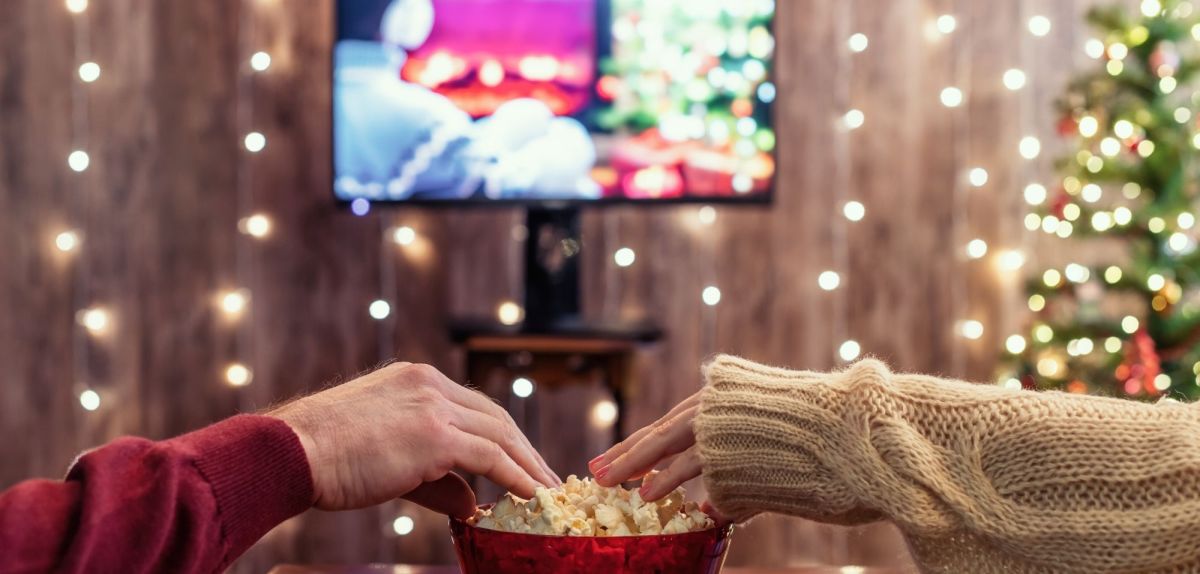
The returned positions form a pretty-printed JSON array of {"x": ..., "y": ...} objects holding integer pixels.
[{"x": 161, "y": 235}]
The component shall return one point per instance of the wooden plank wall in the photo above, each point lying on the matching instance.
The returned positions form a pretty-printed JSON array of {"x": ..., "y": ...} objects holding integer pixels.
[{"x": 159, "y": 209}]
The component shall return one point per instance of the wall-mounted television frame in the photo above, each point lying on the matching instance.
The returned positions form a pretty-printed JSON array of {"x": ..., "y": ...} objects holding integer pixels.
[{"x": 554, "y": 102}]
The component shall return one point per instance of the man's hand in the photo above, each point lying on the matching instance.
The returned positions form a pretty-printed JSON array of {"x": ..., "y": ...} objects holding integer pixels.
[{"x": 399, "y": 431}]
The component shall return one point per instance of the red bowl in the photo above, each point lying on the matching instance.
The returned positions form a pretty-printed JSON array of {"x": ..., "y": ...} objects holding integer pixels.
[{"x": 481, "y": 550}]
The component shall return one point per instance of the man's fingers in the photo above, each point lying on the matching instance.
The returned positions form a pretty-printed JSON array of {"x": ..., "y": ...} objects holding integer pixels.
[
  {"x": 673, "y": 437},
  {"x": 624, "y": 446},
  {"x": 448, "y": 495},
  {"x": 507, "y": 437},
  {"x": 480, "y": 456},
  {"x": 685, "y": 467},
  {"x": 480, "y": 402}
]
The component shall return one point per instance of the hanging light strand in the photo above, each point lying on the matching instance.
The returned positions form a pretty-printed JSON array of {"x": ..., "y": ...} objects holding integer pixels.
[
  {"x": 87, "y": 321},
  {"x": 836, "y": 278},
  {"x": 1028, "y": 170},
  {"x": 965, "y": 179},
  {"x": 248, "y": 226},
  {"x": 382, "y": 309}
]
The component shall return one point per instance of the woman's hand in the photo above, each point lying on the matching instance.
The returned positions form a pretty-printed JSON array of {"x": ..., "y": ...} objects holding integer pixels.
[
  {"x": 399, "y": 431},
  {"x": 670, "y": 441}
]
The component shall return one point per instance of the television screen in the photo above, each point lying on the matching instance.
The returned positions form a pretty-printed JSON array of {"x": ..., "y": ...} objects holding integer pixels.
[{"x": 553, "y": 100}]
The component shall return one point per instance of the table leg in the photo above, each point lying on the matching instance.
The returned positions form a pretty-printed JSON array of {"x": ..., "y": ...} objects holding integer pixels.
[{"x": 616, "y": 371}]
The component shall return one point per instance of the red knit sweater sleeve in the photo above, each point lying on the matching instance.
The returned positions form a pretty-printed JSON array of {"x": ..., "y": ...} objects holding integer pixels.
[{"x": 189, "y": 504}]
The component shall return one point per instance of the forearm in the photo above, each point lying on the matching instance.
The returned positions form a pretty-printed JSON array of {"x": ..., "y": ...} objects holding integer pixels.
[
  {"x": 775, "y": 440},
  {"x": 190, "y": 504},
  {"x": 1036, "y": 474}
]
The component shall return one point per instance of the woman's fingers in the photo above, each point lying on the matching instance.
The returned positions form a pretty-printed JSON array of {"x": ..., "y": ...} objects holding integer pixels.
[
  {"x": 685, "y": 467},
  {"x": 481, "y": 456},
  {"x": 665, "y": 440},
  {"x": 624, "y": 446},
  {"x": 477, "y": 401},
  {"x": 448, "y": 495},
  {"x": 507, "y": 436},
  {"x": 712, "y": 512}
]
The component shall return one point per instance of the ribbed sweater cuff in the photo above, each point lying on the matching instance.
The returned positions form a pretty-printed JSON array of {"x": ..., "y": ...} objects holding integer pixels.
[
  {"x": 763, "y": 433},
  {"x": 258, "y": 472}
]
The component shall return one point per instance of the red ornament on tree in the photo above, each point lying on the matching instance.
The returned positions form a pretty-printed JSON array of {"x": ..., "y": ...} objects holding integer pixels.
[
  {"x": 1164, "y": 60},
  {"x": 1132, "y": 143},
  {"x": 1067, "y": 126},
  {"x": 1142, "y": 363},
  {"x": 1061, "y": 199}
]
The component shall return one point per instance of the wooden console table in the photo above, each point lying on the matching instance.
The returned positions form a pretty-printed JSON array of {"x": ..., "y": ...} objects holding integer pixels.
[{"x": 555, "y": 355}]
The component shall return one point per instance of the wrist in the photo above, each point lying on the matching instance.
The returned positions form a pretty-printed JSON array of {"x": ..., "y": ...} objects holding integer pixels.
[{"x": 300, "y": 423}]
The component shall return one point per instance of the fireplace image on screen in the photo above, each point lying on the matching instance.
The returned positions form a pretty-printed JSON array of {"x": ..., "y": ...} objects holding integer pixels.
[{"x": 553, "y": 100}]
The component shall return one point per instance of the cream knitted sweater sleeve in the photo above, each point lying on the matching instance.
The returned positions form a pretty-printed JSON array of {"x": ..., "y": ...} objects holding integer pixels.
[{"x": 979, "y": 478}]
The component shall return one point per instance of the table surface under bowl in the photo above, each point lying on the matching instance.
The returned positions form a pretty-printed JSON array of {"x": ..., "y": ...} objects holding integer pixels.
[{"x": 402, "y": 569}]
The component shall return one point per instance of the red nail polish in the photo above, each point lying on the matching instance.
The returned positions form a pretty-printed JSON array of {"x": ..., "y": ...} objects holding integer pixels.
[
  {"x": 643, "y": 490},
  {"x": 600, "y": 474},
  {"x": 592, "y": 463}
]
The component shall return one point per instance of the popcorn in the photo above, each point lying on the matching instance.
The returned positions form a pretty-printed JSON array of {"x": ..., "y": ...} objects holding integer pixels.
[{"x": 584, "y": 508}]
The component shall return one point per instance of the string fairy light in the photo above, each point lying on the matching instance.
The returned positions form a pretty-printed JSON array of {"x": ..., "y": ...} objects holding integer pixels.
[
  {"x": 951, "y": 97},
  {"x": 1039, "y": 25},
  {"x": 977, "y": 248},
  {"x": 238, "y": 375},
  {"x": 977, "y": 176},
  {"x": 858, "y": 42},
  {"x": 260, "y": 61},
  {"x": 829, "y": 280},
  {"x": 604, "y": 414},
  {"x": 854, "y": 210},
  {"x": 404, "y": 235},
  {"x": 89, "y": 72},
  {"x": 509, "y": 313},
  {"x": 255, "y": 142},
  {"x": 89, "y": 399},
  {"x": 1013, "y": 79},
  {"x": 849, "y": 350},
  {"x": 379, "y": 309},
  {"x": 853, "y": 119},
  {"x": 946, "y": 23},
  {"x": 233, "y": 303},
  {"x": 79, "y": 160},
  {"x": 257, "y": 226},
  {"x": 624, "y": 257},
  {"x": 95, "y": 319},
  {"x": 66, "y": 240},
  {"x": 971, "y": 329},
  {"x": 403, "y": 525},
  {"x": 522, "y": 387}
]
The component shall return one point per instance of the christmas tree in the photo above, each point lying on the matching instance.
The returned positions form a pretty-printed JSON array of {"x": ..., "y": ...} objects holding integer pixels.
[{"x": 1130, "y": 327}]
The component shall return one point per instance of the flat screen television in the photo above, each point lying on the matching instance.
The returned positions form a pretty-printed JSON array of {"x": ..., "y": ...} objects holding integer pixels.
[{"x": 553, "y": 101}]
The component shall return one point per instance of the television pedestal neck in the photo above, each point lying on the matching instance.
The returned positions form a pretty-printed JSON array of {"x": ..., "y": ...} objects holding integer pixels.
[
  {"x": 552, "y": 248},
  {"x": 551, "y": 301}
]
